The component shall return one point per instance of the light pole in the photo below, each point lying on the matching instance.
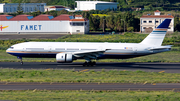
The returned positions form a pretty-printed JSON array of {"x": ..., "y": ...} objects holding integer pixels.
[
  {"x": 124, "y": 25},
  {"x": 103, "y": 25}
]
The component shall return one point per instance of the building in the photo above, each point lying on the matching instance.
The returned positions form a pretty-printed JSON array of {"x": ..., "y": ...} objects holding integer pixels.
[
  {"x": 56, "y": 8},
  {"x": 26, "y": 7},
  {"x": 78, "y": 16},
  {"x": 27, "y": 24},
  {"x": 150, "y": 22},
  {"x": 95, "y": 5}
]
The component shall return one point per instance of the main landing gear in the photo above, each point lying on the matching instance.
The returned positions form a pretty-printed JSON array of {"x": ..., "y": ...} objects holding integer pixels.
[
  {"x": 90, "y": 63},
  {"x": 20, "y": 60}
]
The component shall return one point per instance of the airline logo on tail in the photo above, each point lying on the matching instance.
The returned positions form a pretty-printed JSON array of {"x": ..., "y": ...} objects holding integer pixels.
[
  {"x": 164, "y": 25},
  {"x": 1, "y": 27}
]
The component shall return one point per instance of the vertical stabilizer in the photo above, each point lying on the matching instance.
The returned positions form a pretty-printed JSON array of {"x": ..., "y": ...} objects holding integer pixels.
[{"x": 156, "y": 37}]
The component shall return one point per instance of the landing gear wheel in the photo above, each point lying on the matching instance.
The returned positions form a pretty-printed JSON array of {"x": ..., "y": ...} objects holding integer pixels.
[
  {"x": 21, "y": 63},
  {"x": 89, "y": 63},
  {"x": 85, "y": 64},
  {"x": 94, "y": 63}
]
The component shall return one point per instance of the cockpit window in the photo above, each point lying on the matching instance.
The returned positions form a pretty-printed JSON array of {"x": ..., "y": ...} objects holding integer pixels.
[{"x": 11, "y": 47}]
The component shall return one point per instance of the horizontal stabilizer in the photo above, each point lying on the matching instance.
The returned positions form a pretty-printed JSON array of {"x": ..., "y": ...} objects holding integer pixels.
[{"x": 160, "y": 48}]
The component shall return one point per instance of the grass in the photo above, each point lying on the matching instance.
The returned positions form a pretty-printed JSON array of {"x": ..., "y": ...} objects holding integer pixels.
[
  {"x": 71, "y": 76},
  {"x": 160, "y": 57},
  {"x": 170, "y": 39},
  {"x": 55, "y": 95}
]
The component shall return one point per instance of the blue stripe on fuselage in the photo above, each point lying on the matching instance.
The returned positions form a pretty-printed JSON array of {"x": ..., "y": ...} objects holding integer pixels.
[
  {"x": 34, "y": 55},
  {"x": 53, "y": 55}
]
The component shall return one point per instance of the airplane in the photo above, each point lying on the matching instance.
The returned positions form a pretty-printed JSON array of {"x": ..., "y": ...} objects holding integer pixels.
[{"x": 67, "y": 52}]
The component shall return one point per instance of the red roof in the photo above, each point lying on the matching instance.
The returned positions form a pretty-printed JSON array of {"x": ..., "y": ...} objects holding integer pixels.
[
  {"x": 157, "y": 11},
  {"x": 157, "y": 16},
  {"x": 43, "y": 17},
  {"x": 39, "y": 18},
  {"x": 79, "y": 20},
  {"x": 78, "y": 16},
  {"x": 21, "y": 18},
  {"x": 5, "y": 17},
  {"x": 62, "y": 17},
  {"x": 57, "y": 7}
]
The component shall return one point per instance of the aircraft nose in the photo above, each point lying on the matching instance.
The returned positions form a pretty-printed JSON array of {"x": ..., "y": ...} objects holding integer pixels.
[{"x": 7, "y": 50}]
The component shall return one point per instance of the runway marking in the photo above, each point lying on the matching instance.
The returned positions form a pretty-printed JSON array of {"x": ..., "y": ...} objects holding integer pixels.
[
  {"x": 154, "y": 84},
  {"x": 124, "y": 70},
  {"x": 161, "y": 71},
  {"x": 34, "y": 90},
  {"x": 84, "y": 70},
  {"x": 145, "y": 83}
]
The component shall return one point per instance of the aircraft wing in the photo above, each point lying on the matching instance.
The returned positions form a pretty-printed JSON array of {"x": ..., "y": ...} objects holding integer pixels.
[{"x": 88, "y": 55}]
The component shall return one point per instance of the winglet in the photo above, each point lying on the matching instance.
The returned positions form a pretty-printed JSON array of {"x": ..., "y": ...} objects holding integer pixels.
[{"x": 165, "y": 24}]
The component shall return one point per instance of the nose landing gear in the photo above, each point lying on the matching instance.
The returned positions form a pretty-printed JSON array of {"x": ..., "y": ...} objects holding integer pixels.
[{"x": 20, "y": 60}]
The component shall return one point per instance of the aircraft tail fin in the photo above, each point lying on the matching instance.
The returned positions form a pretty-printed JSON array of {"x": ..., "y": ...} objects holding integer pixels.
[{"x": 156, "y": 37}]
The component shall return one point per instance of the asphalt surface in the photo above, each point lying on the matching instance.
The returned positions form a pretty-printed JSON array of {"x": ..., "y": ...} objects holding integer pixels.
[
  {"x": 149, "y": 67},
  {"x": 155, "y": 67},
  {"x": 93, "y": 86},
  {"x": 30, "y": 36}
]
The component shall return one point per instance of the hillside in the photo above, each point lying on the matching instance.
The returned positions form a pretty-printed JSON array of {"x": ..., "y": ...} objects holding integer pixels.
[{"x": 122, "y": 3}]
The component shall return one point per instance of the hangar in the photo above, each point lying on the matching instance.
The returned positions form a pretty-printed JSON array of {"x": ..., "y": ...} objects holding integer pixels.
[{"x": 43, "y": 24}]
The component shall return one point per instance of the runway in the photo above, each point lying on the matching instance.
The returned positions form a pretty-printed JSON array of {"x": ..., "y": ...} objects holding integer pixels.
[
  {"x": 149, "y": 67},
  {"x": 92, "y": 86}
]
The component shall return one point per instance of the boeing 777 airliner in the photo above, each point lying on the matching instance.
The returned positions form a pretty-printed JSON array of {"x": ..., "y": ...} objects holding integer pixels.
[{"x": 66, "y": 52}]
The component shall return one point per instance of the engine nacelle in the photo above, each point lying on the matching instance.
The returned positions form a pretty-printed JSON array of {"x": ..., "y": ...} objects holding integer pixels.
[{"x": 64, "y": 57}]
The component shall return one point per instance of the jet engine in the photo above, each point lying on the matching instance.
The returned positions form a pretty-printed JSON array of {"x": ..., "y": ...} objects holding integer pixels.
[{"x": 64, "y": 57}]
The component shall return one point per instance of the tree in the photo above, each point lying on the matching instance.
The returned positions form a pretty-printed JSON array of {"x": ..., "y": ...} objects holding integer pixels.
[
  {"x": 85, "y": 14},
  {"x": 19, "y": 9},
  {"x": 91, "y": 24},
  {"x": 62, "y": 12},
  {"x": 53, "y": 13},
  {"x": 130, "y": 29},
  {"x": 129, "y": 19},
  {"x": 96, "y": 22},
  {"x": 110, "y": 22},
  {"x": 35, "y": 13},
  {"x": 176, "y": 24},
  {"x": 6, "y": 1},
  {"x": 118, "y": 23},
  {"x": 102, "y": 23},
  {"x": 136, "y": 24}
]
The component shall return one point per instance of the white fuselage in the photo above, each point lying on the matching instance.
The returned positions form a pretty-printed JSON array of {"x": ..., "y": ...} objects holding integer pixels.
[{"x": 50, "y": 49}]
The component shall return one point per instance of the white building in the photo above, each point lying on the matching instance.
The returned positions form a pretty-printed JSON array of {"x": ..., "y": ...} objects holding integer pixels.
[
  {"x": 95, "y": 5},
  {"x": 26, "y": 7},
  {"x": 45, "y": 24},
  {"x": 56, "y": 8},
  {"x": 150, "y": 22}
]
